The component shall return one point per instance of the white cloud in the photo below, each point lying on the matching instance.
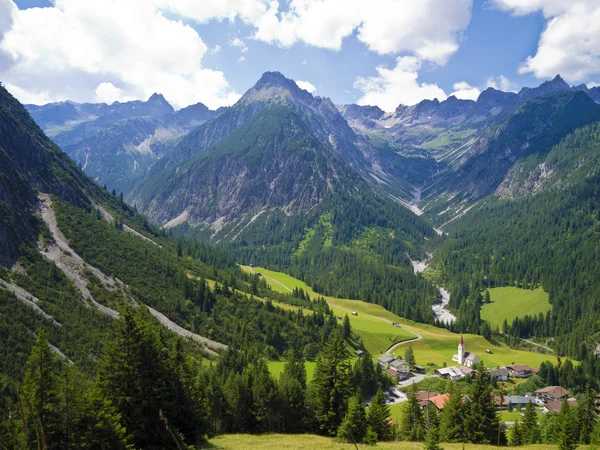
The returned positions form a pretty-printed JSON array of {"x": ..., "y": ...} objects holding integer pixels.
[
  {"x": 216, "y": 49},
  {"x": 237, "y": 42},
  {"x": 399, "y": 85},
  {"x": 70, "y": 50},
  {"x": 502, "y": 83},
  {"x": 570, "y": 41},
  {"x": 241, "y": 59},
  {"x": 429, "y": 29},
  {"x": 465, "y": 91},
  {"x": 307, "y": 86},
  {"x": 107, "y": 93}
]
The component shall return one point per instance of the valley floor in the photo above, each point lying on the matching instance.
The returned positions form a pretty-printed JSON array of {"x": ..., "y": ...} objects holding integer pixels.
[{"x": 375, "y": 324}]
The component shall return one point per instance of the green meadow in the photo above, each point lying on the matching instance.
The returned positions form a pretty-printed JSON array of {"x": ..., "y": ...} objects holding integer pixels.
[
  {"x": 512, "y": 302},
  {"x": 300, "y": 441},
  {"x": 374, "y": 324}
]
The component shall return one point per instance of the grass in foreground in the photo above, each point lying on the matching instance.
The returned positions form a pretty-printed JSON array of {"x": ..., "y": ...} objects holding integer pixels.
[
  {"x": 512, "y": 302},
  {"x": 300, "y": 441},
  {"x": 437, "y": 346}
]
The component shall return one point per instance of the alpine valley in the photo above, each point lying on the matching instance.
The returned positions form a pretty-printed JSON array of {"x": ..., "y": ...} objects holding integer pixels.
[{"x": 135, "y": 311}]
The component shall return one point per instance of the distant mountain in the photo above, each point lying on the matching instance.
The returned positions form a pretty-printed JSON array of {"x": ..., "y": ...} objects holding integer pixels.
[
  {"x": 277, "y": 147},
  {"x": 435, "y": 128},
  {"x": 116, "y": 144},
  {"x": 508, "y": 159}
]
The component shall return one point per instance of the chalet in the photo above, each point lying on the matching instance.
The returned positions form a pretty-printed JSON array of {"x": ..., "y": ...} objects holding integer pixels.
[
  {"x": 450, "y": 373},
  {"x": 520, "y": 371},
  {"x": 499, "y": 374},
  {"x": 400, "y": 366},
  {"x": 467, "y": 371},
  {"x": 464, "y": 357},
  {"x": 384, "y": 361},
  {"x": 359, "y": 353},
  {"x": 440, "y": 401},
  {"x": 354, "y": 313},
  {"x": 551, "y": 393},
  {"x": 517, "y": 401},
  {"x": 424, "y": 396},
  {"x": 554, "y": 406},
  {"x": 399, "y": 376}
]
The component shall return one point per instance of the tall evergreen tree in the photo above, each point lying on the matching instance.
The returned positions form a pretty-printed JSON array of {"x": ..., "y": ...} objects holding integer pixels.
[
  {"x": 378, "y": 415},
  {"x": 346, "y": 326},
  {"x": 133, "y": 376},
  {"x": 530, "y": 428},
  {"x": 40, "y": 387},
  {"x": 567, "y": 434},
  {"x": 412, "y": 420},
  {"x": 588, "y": 415},
  {"x": 353, "y": 428},
  {"x": 452, "y": 418},
  {"x": 481, "y": 419},
  {"x": 409, "y": 356},
  {"x": 516, "y": 435},
  {"x": 332, "y": 384},
  {"x": 292, "y": 388}
]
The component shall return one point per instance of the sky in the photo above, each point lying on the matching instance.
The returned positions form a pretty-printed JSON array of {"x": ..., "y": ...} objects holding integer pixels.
[{"x": 376, "y": 52}]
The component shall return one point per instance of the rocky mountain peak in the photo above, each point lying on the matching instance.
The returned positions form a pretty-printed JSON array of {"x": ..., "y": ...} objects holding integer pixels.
[
  {"x": 157, "y": 98},
  {"x": 273, "y": 86}
]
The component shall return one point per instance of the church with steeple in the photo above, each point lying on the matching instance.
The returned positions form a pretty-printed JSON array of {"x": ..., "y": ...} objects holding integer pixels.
[{"x": 463, "y": 357}]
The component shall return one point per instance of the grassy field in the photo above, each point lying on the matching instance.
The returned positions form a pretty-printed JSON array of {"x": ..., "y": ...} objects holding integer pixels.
[
  {"x": 378, "y": 333},
  {"x": 300, "y": 441},
  {"x": 276, "y": 367},
  {"x": 437, "y": 345},
  {"x": 511, "y": 302}
]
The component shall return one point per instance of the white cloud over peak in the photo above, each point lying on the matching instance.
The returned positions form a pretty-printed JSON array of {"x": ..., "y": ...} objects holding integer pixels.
[
  {"x": 429, "y": 29},
  {"x": 307, "y": 86},
  {"x": 399, "y": 85},
  {"x": 465, "y": 91},
  {"x": 501, "y": 83},
  {"x": 570, "y": 42},
  {"x": 114, "y": 49}
]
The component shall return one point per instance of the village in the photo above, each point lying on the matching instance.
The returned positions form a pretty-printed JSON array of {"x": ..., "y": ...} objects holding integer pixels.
[{"x": 548, "y": 399}]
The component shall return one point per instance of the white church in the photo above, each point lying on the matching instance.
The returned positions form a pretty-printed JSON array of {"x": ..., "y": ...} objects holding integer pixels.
[{"x": 463, "y": 357}]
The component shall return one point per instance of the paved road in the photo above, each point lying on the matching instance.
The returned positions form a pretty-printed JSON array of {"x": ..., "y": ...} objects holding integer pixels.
[
  {"x": 414, "y": 380},
  {"x": 538, "y": 345}
]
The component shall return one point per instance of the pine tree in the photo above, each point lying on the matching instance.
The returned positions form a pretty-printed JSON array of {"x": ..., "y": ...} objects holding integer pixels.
[
  {"x": 365, "y": 375},
  {"x": 530, "y": 428},
  {"x": 40, "y": 387},
  {"x": 452, "y": 418},
  {"x": 567, "y": 439},
  {"x": 588, "y": 415},
  {"x": 481, "y": 420},
  {"x": 412, "y": 421},
  {"x": 409, "y": 357},
  {"x": 346, "y": 326},
  {"x": 516, "y": 435},
  {"x": 133, "y": 376},
  {"x": 377, "y": 417},
  {"x": 353, "y": 428},
  {"x": 265, "y": 398},
  {"x": 432, "y": 439},
  {"x": 332, "y": 383},
  {"x": 292, "y": 388}
]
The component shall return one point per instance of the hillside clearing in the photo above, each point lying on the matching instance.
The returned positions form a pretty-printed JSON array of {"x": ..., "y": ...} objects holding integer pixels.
[{"x": 512, "y": 302}]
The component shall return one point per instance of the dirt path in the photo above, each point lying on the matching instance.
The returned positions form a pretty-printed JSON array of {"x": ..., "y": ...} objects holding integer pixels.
[
  {"x": 27, "y": 298},
  {"x": 538, "y": 345},
  {"x": 271, "y": 279}
]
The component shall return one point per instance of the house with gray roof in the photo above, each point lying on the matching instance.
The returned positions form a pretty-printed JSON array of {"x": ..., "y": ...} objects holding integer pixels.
[{"x": 384, "y": 361}]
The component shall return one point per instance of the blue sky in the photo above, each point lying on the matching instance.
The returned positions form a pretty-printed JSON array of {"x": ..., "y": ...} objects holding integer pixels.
[{"x": 382, "y": 52}]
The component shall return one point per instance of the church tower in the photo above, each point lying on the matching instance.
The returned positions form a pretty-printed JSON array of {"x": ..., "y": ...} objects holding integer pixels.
[{"x": 461, "y": 351}]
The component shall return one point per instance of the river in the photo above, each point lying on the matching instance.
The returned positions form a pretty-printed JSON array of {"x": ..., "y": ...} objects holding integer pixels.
[{"x": 439, "y": 309}]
